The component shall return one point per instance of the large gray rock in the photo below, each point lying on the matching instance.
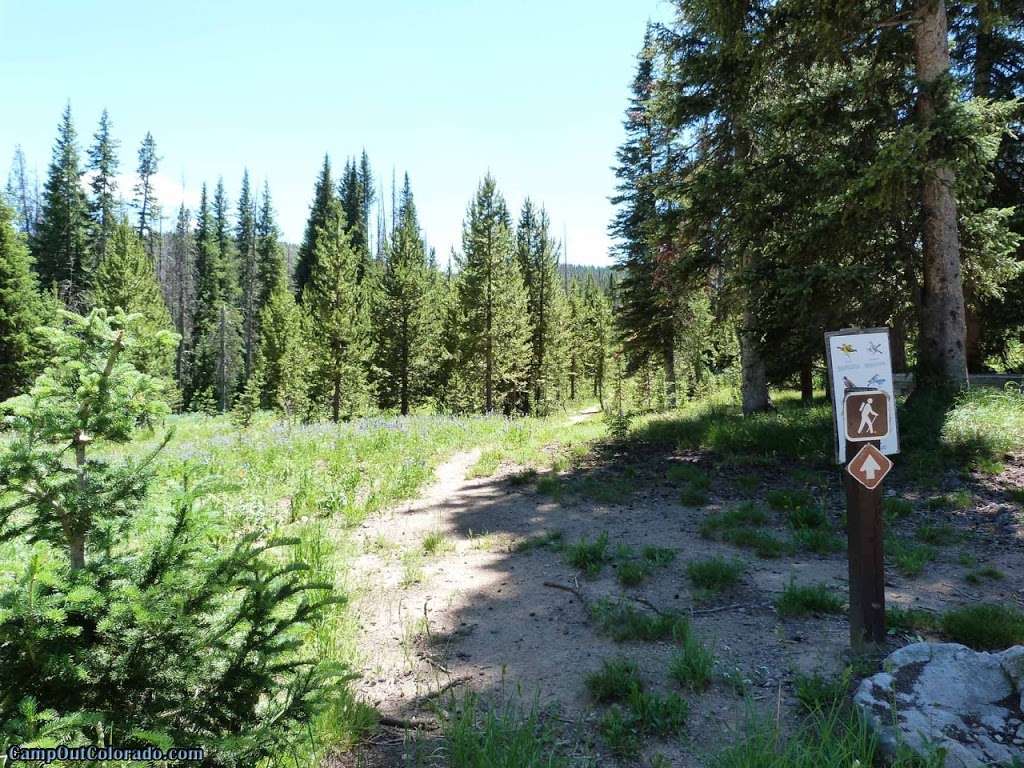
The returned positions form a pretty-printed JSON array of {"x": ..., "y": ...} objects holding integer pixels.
[{"x": 946, "y": 696}]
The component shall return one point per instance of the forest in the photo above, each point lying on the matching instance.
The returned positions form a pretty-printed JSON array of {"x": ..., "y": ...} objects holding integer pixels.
[{"x": 349, "y": 501}]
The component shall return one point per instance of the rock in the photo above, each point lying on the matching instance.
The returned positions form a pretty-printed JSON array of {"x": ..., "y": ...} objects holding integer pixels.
[{"x": 945, "y": 696}]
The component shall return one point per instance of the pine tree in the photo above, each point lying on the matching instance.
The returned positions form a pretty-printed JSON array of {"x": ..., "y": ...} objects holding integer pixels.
[
  {"x": 270, "y": 265},
  {"x": 102, "y": 207},
  {"x": 646, "y": 313},
  {"x": 21, "y": 310},
  {"x": 125, "y": 281},
  {"x": 284, "y": 362},
  {"x": 145, "y": 201},
  {"x": 406, "y": 327},
  {"x": 245, "y": 246},
  {"x": 21, "y": 195},
  {"x": 595, "y": 336},
  {"x": 538, "y": 258},
  {"x": 60, "y": 243},
  {"x": 338, "y": 319},
  {"x": 322, "y": 195},
  {"x": 495, "y": 339},
  {"x": 217, "y": 342},
  {"x": 183, "y": 255}
]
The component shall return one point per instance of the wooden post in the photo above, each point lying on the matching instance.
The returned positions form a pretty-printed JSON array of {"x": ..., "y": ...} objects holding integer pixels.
[{"x": 867, "y": 566}]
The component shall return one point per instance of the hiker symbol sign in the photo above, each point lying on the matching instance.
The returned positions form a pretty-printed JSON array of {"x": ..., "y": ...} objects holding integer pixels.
[{"x": 867, "y": 415}]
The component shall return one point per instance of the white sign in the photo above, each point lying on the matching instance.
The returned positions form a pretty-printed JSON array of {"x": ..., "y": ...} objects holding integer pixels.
[{"x": 860, "y": 360}]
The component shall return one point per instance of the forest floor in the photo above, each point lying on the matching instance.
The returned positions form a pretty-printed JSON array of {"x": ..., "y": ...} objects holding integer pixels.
[{"x": 514, "y": 586}]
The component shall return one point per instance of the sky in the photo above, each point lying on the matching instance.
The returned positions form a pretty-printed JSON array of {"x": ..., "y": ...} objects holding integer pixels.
[{"x": 446, "y": 90}]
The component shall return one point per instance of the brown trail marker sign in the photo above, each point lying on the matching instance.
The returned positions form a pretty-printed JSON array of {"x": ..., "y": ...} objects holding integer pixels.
[{"x": 864, "y": 418}]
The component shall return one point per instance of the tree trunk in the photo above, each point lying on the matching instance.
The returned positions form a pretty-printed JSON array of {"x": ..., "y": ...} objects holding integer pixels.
[
  {"x": 669, "y": 358},
  {"x": 336, "y": 400},
  {"x": 943, "y": 359},
  {"x": 806, "y": 383},
  {"x": 754, "y": 386}
]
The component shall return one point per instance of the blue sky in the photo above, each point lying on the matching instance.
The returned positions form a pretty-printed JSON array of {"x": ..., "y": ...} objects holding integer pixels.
[{"x": 533, "y": 91}]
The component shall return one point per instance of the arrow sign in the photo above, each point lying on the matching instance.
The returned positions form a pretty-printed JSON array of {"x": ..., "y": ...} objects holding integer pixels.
[{"x": 869, "y": 467}]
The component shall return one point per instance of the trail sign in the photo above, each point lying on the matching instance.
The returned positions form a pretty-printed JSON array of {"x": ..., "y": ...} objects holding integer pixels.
[
  {"x": 861, "y": 360},
  {"x": 866, "y": 415},
  {"x": 869, "y": 467}
]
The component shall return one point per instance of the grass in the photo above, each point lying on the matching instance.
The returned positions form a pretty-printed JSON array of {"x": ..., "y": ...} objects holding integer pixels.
[
  {"x": 741, "y": 526},
  {"x": 437, "y": 543},
  {"x": 623, "y": 622},
  {"x": 910, "y": 619},
  {"x": 937, "y": 534},
  {"x": 894, "y": 508},
  {"x": 984, "y": 626},
  {"x": 550, "y": 485},
  {"x": 801, "y": 600},
  {"x": 908, "y": 557},
  {"x": 694, "y": 481},
  {"x": 715, "y": 574},
  {"x": 692, "y": 666},
  {"x": 412, "y": 568},
  {"x": 1015, "y": 494},
  {"x": 659, "y": 557},
  {"x": 817, "y": 693},
  {"x": 632, "y": 573},
  {"x": 476, "y": 736},
  {"x": 614, "y": 681},
  {"x": 549, "y": 540},
  {"x": 644, "y": 714},
  {"x": 589, "y": 556},
  {"x": 820, "y": 541},
  {"x": 985, "y": 572},
  {"x": 985, "y": 422}
]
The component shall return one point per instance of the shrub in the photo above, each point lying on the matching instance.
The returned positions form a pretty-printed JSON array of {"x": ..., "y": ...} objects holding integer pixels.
[
  {"x": 985, "y": 626},
  {"x": 188, "y": 631}
]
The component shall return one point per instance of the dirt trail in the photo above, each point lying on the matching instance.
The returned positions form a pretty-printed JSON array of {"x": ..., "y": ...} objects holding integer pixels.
[{"x": 477, "y": 614}]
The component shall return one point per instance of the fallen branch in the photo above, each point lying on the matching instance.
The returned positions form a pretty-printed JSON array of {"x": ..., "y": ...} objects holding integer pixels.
[
  {"x": 447, "y": 687},
  {"x": 720, "y": 609},
  {"x": 407, "y": 725}
]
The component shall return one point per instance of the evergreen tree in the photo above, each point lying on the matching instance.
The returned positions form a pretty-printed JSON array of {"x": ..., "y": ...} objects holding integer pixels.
[
  {"x": 21, "y": 195},
  {"x": 538, "y": 262},
  {"x": 406, "y": 327},
  {"x": 183, "y": 255},
  {"x": 60, "y": 243},
  {"x": 284, "y": 363},
  {"x": 494, "y": 345},
  {"x": 270, "y": 265},
  {"x": 323, "y": 193},
  {"x": 245, "y": 246},
  {"x": 595, "y": 337},
  {"x": 22, "y": 310},
  {"x": 356, "y": 192},
  {"x": 103, "y": 205},
  {"x": 647, "y": 290},
  {"x": 217, "y": 343},
  {"x": 338, "y": 319},
  {"x": 125, "y": 281},
  {"x": 145, "y": 201}
]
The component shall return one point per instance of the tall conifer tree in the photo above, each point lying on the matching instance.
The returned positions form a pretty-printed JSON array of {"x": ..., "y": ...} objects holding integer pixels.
[
  {"x": 60, "y": 245},
  {"x": 103, "y": 205},
  {"x": 145, "y": 202},
  {"x": 21, "y": 194},
  {"x": 22, "y": 309},
  {"x": 245, "y": 246},
  {"x": 323, "y": 193}
]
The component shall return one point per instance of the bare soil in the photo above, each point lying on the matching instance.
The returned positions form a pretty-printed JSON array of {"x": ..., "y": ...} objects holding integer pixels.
[{"x": 480, "y": 617}]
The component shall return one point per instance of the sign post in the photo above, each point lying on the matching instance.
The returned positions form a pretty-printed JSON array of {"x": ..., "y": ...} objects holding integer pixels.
[{"x": 860, "y": 377}]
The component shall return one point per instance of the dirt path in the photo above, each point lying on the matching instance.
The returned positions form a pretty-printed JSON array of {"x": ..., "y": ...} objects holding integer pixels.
[{"x": 476, "y": 612}]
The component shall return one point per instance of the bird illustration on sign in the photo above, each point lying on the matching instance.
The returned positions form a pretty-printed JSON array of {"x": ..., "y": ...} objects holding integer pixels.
[
  {"x": 847, "y": 349},
  {"x": 876, "y": 381},
  {"x": 875, "y": 348}
]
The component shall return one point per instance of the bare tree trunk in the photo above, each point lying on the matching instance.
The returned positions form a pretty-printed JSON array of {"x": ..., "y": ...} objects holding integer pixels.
[
  {"x": 943, "y": 327},
  {"x": 806, "y": 383},
  {"x": 754, "y": 385},
  {"x": 669, "y": 358}
]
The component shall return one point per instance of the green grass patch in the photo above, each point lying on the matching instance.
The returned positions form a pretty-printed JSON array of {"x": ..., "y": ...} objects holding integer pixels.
[
  {"x": 614, "y": 681},
  {"x": 589, "y": 556},
  {"x": 550, "y": 485},
  {"x": 630, "y": 573},
  {"x": 910, "y": 619},
  {"x": 764, "y": 544},
  {"x": 984, "y": 573},
  {"x": 820, "y": 541},
  {"x": 817, "y": 693},
  {"x": 659, "y": 557},
  {"x": 741, "y": 526},
  {"x": 553, "y": 540},
  {"x": 716, "y": 574},
  {"x": 937, "y": 534},
  {"x": 625, "y": 727},
  {"x": 690, "y": 474},
  {"x": 436, "y": 543},
  {"x": 908, "y": 557},
  {"x": 785, "y": 500},
  {"x": 894, "y": 508},
  {"x": 984, "y": 626},
  {"x": 606, "y": 489},
  {"x": 1015, "y": 494},
  {"x": 802, "y": 600},
  {"x": 985, "y": 423},
  {"x": 621, "y": 621},
  {"x": 693, "y": 665},
  {"x": 693, "y": 497},
  {"x": 476, "y": 736}
]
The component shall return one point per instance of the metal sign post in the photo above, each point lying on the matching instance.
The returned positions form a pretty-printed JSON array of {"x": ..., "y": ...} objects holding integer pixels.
[{"x": 864, "y": 415}]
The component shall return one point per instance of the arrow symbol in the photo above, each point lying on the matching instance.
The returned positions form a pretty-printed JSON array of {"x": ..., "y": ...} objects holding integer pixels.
[{"x": 870, "y": 468}]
